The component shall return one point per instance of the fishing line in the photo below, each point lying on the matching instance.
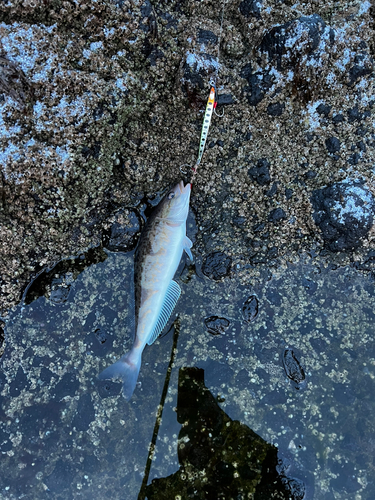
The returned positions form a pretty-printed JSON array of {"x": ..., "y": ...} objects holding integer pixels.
[
  {"x": 142, "y": 492},
  {"x": 211, "y": 104}
]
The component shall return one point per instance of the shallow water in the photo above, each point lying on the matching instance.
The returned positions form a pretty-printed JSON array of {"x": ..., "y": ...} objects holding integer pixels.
[{"x": 64, "y": 434}]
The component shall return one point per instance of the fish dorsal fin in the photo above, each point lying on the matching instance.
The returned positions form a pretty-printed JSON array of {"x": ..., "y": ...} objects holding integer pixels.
[{"x": 171, "y": 297}]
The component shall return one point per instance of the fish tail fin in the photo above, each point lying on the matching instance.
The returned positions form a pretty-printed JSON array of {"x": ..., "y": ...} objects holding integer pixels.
[{"x": 125, "y": 369}]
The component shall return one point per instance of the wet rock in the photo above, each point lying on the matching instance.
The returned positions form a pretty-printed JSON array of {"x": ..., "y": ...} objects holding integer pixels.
[
  {"x": 216, "y": 325},
  {"x": 61, "y": 476},
  {"x": 344, "y": 212},
  {"x": 295, "y": 488},
  {"x": 217, "y": 265},
  {"x": 260, "y": 173},
  {"x": 124, "y": 232},
  {"x": 346, "y": 479},
  {"x": 19, "y": 383},
  {"x": 276, "y": 397},
  {"x": 60, "y": 288},
  {"x": 276, "y": 215},
  {"x": 108, "y": 388},
  {"x": 293, "y": 369},
  {"x": 67, "y": 386},
  {"x": 250, "y": 308},
  {"x": 344, "y": 394},
  {"x": 55, "y": 283},
  {"x": 85, "y": 413}
]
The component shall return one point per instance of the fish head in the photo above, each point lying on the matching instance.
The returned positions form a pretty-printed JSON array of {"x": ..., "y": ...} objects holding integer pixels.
[{"x": 175, "y": 204}]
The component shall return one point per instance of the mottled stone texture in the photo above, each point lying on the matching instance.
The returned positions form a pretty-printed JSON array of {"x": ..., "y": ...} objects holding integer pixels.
[{"x": 100, "y": 103}]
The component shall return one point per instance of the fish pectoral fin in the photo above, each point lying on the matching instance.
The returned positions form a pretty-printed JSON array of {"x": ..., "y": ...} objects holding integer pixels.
[
  {"x": 187, "y": 245},
  {"x": 171, "y": 297}
]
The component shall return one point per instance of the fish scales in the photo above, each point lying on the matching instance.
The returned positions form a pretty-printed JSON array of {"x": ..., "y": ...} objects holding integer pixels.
[{"x": 157, "y": 257}]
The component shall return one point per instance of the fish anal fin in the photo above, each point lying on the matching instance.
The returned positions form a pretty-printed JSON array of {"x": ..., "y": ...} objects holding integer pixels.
[{"x": 171, "y": 297}]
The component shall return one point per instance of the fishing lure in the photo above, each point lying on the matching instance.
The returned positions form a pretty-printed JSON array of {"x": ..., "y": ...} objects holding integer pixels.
[{"x": 211, "y": 105}]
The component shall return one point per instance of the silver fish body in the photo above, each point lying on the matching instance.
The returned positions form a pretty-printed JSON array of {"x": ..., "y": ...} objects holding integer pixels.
[{"x": 157, "y": 257}]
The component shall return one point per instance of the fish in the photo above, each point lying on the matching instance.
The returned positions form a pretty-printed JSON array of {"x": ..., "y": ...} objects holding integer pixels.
[{"x": 157, "y": 256}]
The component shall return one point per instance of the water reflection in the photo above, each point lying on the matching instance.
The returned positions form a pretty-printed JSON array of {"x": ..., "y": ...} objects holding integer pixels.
[
  {"x": 219, "y": 457},
  {"x": 66, "y": 435}
]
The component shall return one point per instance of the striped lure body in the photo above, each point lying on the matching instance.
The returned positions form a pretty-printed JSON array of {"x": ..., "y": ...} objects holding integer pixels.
[{"x": 157, "y": 257}]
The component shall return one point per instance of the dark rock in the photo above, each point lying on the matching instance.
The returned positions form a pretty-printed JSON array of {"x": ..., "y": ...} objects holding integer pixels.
[
  {"x": 67, "y": 386},
  {"x": 258, "y": 84},
  {"x": 361, "y": 146},
  {"x": 60, "y": 289},
  {"x": 346, "y": 477},
  {"x": 272, "y": 253},
  {"x": 354, "y": 114},
  {"x": 293, "y": 40},
  {"x": 197, "y": 70},
  {"x": 332, "y": 144},
  {"x": 250, "y": 308},
  {"x": 216, "y": 325},
  {"x": 344, "y": 394},
  {"x": 344, "y": 212},
  {"x": 19, "y": 383},
  {"x": 295, "y": 487},
  {"x": 206, "y": 37},
  {"x": 309, "y": 285},
  {"x": 216, "y": 265},
  {"x": 275, "y": 397},
  {"x": 339, "y": 118},
  {"x": 363, "y": 65},
  {"x": 250, "y": 8},
  {"x": 275, "y": 109},
  {"x": 288, "y": 193},
  {"x": 85, "y": 413},
  {"x": 354, "y": 159},
  {"x": 61, "y": 477},
  {"x": 259, "y": 227},
  {"x": 45, "y": 375},
  {"x": 276, "y": 215},
  {"x": 242, "y": 379},
  {"x": 293, "y": 369},
  {"x": 124, "y": 232},
  {"x": 225, "y": 99},
  {"x": 323, "y": 109},
  {"x": 271, "y": 192},
  {"x": 310, "y": 174},
  {"x": 260, "y": 173}
]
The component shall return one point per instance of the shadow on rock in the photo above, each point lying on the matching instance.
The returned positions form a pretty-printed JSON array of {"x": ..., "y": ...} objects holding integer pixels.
[{"x": 220, "y": 457}]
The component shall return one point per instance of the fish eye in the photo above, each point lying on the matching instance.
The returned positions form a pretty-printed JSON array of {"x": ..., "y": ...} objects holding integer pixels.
[{"x": 171, "y": 195}]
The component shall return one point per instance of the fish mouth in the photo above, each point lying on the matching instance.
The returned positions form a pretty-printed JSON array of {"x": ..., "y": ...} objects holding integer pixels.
[{"x": 184, "y": 189}]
